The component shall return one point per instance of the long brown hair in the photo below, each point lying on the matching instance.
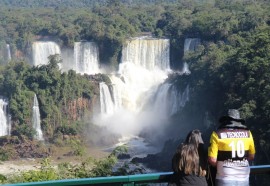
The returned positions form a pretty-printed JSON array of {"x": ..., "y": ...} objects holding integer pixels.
[
  {"x": 189, "y": 162},
  {"x": 190, "y": 156}
]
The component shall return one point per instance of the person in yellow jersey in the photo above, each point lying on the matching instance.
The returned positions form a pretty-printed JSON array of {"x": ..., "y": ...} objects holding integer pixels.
[{"x": 230, "y": 150}]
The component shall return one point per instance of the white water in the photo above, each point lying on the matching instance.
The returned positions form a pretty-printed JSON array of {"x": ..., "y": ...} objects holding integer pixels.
[
  {"x": 178, "y": 99},
  {"x": 191, "y": 44},
  {"x": 167, "y": 101},
  {"x": 42, "y": 50},
  {"x": 8, "y": 52},
  {"x": 86, "y": 57},
  {"x": 185, "y": 69},
  {"x": 160, "y": 104},
  {"x": 5, "y": 124},
  {"x": 36, "y": 120},
  {"x": 144, "y": 66},
  {"x": 106, "y": 101},
  {"x": 83, "y": 58},
  {"x": 147, "y": 53}
]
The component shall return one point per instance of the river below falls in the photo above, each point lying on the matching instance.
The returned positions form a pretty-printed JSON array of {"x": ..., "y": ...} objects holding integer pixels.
[{"x": 137, "y": 147}]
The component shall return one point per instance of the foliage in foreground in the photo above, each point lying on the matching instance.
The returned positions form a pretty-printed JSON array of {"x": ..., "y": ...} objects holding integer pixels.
[{"x": 90, "y": 167}]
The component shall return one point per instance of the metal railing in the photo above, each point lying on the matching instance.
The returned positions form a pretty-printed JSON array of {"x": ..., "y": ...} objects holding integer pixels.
[{"x": 130, "y": 180}]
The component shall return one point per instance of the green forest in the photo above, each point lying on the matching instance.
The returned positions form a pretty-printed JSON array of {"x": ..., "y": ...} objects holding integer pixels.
[{"x": 229, "y": 69}]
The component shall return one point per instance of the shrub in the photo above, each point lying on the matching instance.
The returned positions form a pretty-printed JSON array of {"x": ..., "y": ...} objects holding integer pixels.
[
  {"x": 6, "y": 153},
  {"x": 45, "y": 173},
  {"x": 66, "y": 130}
]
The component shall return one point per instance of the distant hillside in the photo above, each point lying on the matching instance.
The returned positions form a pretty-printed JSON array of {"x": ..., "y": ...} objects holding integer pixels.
[{"x": 77, "y": 3}]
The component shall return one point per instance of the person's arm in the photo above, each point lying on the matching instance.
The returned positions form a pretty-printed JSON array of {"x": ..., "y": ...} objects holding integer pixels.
[
  {"x": 213, "y": 149},
  {"x": 203, "y": 159},
  {"x": 212, "y": 161},
  {"x": 251, "y": 152},
  {"x": 176, "y": 158}
]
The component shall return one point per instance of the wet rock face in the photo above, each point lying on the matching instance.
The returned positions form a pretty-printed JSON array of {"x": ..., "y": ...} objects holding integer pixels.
[
  {"x": 155, "y": 161},
  {"x": 76, "y": 108},
  {"x": 123, "y": 156},
  {"x": 161, "y": 161}
]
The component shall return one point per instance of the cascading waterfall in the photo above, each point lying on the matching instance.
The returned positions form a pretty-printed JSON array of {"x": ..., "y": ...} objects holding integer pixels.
[
  {"x": 177, "y": 99},
  {"x": 116, "y": 97},
  {"x": 167, "y": 101},
  {"x": 8, "y": 52},
  {"x": 42, "y": 50},
  {"x": 86, "y": 57},
  {"x": 147, "y": 100},
  {"x": 148, "y": 53},
  {"x": 36, "y": 120},
  {"x": 168, "y": 98},
  {"x": 160, "y": 105},
  {"x": 106, "y": 102},
  {"x": 185, "y": 69},
  {"x": 191, "y": 44},
  {"x": 145, "y": 65},
  {"x": 5, "y": 124}
]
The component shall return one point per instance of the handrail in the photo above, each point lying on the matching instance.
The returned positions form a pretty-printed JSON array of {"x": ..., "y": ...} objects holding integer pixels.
[{"x": 161, "y": 177}]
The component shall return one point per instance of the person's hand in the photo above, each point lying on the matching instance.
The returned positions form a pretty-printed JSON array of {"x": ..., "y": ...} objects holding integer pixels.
[
  {"x": 204, "y": 173},
  {"x": 251, "y": 157}
]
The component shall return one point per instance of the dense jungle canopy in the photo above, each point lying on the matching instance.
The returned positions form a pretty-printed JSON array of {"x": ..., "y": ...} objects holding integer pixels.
[{"x": 230, "y": 69}]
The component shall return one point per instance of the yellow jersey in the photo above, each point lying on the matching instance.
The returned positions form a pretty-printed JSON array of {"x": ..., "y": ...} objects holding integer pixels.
[{"x": 231, "y": 148}]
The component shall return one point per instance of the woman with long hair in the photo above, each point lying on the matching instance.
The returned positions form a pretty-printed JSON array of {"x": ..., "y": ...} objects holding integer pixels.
[{"x": 189, "y": 162}]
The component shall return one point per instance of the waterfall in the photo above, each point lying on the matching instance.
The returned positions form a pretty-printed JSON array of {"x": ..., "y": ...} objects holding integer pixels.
[
  {"x": 144, "y": 66},
  {"x": 140, "y": 102},
  {"x": 148, "y": 53},
  {"x": 5, "y": 124},
  {"x": 167, "y": 101},
  {"x": 185, "y": 69},
  {"x": 191, "y": 44},
  {"x": 145, "y": 63},
  {"x": 42, "y": 50},
  {"x": 178, "y": 99},
  {"x": 116, "y": 97},
  {"x": 139, "y": 97},
  {"x": 160, "y": 105},
  {"x": 36, "y": 120},
  {"x": 86, "y": 57},
  {"x": 8, "y": 52},
  {"x": 106, "y": 101}
]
